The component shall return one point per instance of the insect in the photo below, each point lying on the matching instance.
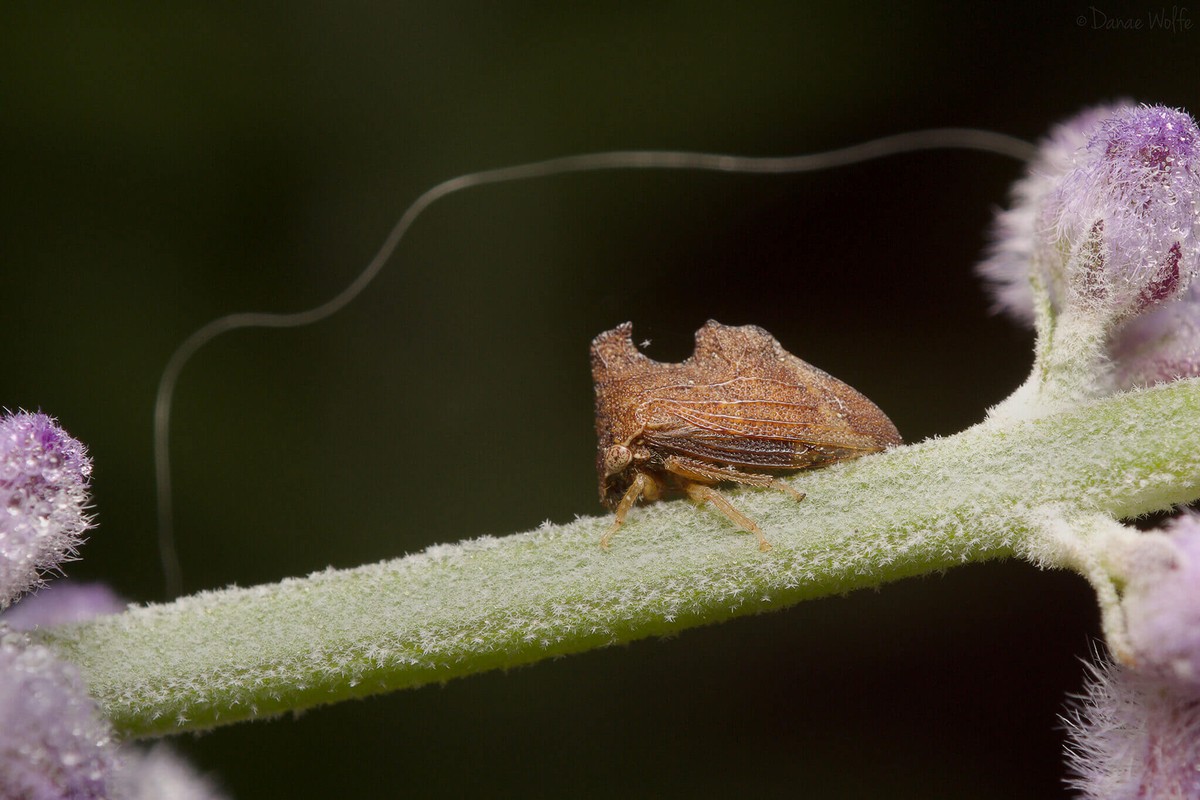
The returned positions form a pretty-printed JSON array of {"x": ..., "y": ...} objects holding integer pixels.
[{"x": 740, "y": 408}]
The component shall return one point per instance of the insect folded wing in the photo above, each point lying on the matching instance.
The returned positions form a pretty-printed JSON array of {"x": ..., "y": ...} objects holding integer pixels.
[{"x": 720, "y": 448}]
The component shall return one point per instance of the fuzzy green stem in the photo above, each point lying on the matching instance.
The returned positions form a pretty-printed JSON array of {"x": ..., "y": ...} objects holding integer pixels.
[
  {"x": 1070, "y": 364},
  {"x": 456, "y": 610},
  {"x": 1096, "y": 546}
]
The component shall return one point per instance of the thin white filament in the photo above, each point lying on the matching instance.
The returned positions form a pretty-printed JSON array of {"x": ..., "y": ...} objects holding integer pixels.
[{"x": 932, "y": 139}]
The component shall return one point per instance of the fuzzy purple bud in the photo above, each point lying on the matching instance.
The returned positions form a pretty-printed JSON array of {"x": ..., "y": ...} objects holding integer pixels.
[
  {"x": 62, "y": 603},
  {"x": 1127, "y": 213},
  {"x": 1131, "y": 737},
  {"x": 1009, "y": 268},
  {"x": 129, "y": 772},
  {"x": 44, "y": 477},
  {"x": 1162, "y": 605},
  {"x": 1161, "y": 345},
  {"x": 158, "y": 772},
  {"x": 1108, "y": 220},
  {"x": 53, "y": 744}
]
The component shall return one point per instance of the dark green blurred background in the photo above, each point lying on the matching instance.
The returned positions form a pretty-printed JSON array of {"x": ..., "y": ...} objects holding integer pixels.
[{"x": 163, "y": 166}]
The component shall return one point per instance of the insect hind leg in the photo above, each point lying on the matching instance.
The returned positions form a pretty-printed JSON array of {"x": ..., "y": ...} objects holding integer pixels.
[
  {"x": 705, "y": 473},
  {"x": 706, "y": 494}
]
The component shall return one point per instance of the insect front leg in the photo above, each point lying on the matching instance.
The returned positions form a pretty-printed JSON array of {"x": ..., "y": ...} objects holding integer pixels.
[
  {"x": 632, "y": 494},
  {"x": 706, "y": 494}
]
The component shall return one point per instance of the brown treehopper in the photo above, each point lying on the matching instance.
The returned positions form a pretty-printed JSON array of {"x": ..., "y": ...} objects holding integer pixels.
[{"x": 740, "y": 408}]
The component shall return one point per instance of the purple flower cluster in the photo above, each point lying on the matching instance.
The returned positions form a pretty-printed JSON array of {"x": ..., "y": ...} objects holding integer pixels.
[
  {"x": 44, "y": 477},
  {"x": 1104, "y": 230},
  {"x": 1136, "y": 730},
  {"x": 1107, "y": 223},
  {"x": 1126, "y": 213},
  {"x": 54, "y": 743},
  {"x": 63, "y": 604},
  {"x": 1016, "y": 261},
  {"x": 1132, "y": 736},
  {"x": 1160, "y": 345},
  {"x": 1162, "y": 606}
]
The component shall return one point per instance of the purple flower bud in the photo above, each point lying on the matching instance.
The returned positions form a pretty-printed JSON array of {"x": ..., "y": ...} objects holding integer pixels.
[
  {"x": 1108, "y": 220},
  {"x": 43, "y": 496},
  {"x": 1160, "y": 345},
  {"x": 1131, "y": 736},
  {"x": 1162, "y": 605},
  {"x": 134, "y": 773},
  {"x": 53, "y": 744},
  {"x": 1127, "y": 213},
  {"x": 61, "y": 603},
  {"x": 158, "y": 772},
  {"x": 1009, "y": 267}
]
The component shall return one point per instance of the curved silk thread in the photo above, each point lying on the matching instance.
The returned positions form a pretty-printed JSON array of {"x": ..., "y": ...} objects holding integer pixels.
[{"x": 931, "y": 139}]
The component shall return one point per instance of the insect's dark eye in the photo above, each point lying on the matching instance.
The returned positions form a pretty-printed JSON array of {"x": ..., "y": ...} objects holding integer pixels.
[{"x": 616, "y": 459}]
